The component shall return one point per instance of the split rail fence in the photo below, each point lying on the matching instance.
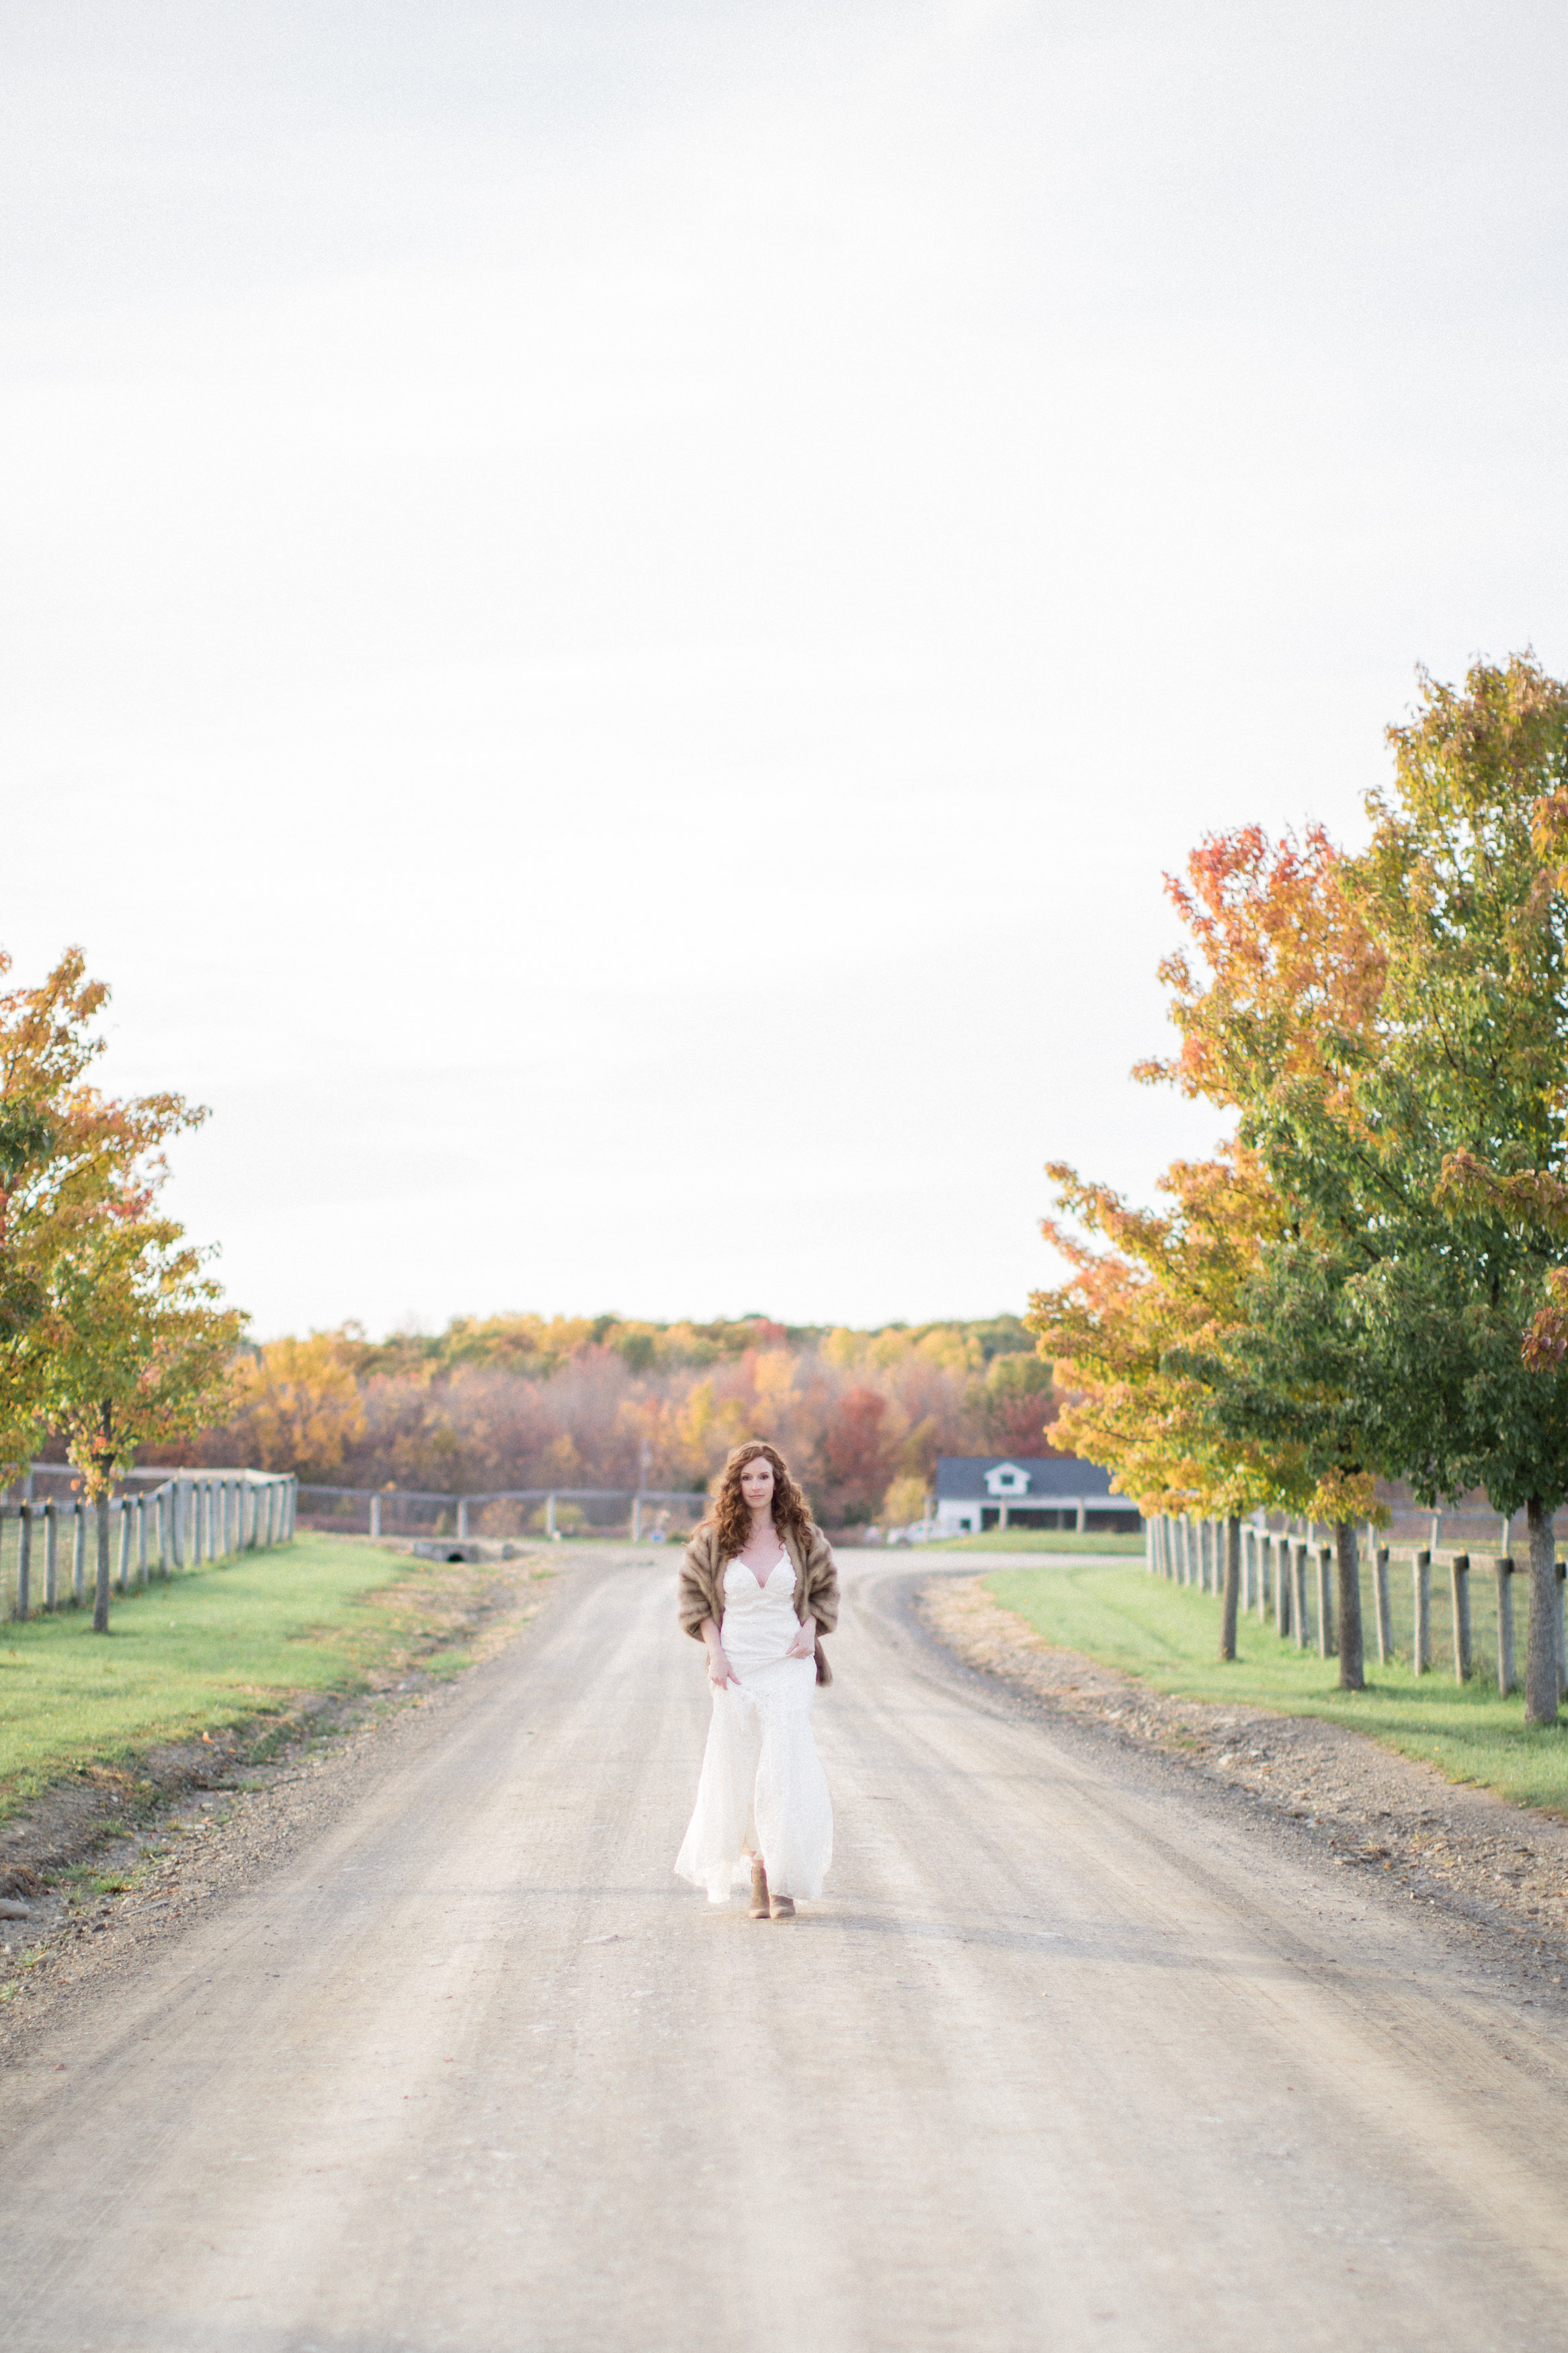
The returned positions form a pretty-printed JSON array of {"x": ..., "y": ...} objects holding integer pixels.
[
  {"x": 48, "y": 1546},
  {"x": 1290, "y": 1580}
]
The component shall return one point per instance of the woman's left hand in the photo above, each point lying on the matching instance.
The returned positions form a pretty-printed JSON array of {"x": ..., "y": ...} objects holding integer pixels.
[{"x": 804, "y": 1644}]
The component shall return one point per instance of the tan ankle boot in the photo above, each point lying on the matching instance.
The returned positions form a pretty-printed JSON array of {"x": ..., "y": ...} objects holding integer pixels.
[
  {"x": 782, "y": 1907},
  {"x": 758, "y": 1891}
]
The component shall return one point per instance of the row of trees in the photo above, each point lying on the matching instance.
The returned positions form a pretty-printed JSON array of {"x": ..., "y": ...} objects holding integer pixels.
[
  {"x": 602, "y": 1402},
  {"x": 111, "y": 1335},
  {"x": 1368, "y": 1279}
]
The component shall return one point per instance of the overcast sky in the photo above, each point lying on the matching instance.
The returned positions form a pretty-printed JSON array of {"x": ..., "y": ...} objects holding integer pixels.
[{"x": 613, "y": 610}]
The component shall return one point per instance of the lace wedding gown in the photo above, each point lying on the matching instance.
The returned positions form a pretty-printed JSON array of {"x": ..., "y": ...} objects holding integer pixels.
[{"x": 762, "y": 1784}]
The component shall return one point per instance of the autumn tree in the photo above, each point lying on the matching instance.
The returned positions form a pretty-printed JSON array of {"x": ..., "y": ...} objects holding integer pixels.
[
  {"x": 66, "y": 1150},
  {"x": 297, "y": 1406},
  {"x": 1140, "y": 1337},
  {"x": 857, "y": 1456},
  {"x": 138, "y": 1348},
  {"x": 1014, "y": 1405},
  {"x": 1278, "y": 1000},
  {"x": 109, "y": 1330}
]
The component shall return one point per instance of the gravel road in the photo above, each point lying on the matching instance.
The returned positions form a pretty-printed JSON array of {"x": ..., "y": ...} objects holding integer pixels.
[{"x": 1076, "y": 2051}]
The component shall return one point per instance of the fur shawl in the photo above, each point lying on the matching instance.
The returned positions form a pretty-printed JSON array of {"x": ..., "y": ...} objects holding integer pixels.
[{"x": 815, "y": 1586}]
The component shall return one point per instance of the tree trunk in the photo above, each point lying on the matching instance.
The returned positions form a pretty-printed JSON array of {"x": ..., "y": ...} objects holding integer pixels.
[
  {"x": 101, "y": 1589},
  {"x": 1353, "y": 1676},
  {"x": 104, "y": 1459},
  {"x": 1541, "y": 1660},
  {"x": 1232, "y": 1589}
]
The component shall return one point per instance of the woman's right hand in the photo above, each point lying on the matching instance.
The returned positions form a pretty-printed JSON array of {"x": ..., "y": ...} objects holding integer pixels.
[{"x": 720, "y": 1671}]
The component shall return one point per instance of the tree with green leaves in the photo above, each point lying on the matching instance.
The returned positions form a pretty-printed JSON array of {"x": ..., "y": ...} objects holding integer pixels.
[
  {"x": 141, "y": 1350},
  {"x": 1414, "y": 1119}
]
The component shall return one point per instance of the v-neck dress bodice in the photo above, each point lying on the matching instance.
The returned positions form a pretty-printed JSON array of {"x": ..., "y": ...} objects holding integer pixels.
[{"x": 762, "y": 1785}]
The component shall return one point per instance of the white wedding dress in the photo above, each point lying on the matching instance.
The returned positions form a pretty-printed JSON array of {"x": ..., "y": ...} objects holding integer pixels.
[{"x": 762, "y": 1784}]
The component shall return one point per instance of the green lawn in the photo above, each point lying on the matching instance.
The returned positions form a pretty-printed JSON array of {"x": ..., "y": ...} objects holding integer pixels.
[
  {"x": 211, "y": 1648},
  {"x": 1042, "y": 1540},
  {"x": 1167, "y": 1635}
]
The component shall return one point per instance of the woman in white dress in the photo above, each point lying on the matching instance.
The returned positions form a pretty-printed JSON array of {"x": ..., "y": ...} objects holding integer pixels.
[{"x": 758, "y": 1586}]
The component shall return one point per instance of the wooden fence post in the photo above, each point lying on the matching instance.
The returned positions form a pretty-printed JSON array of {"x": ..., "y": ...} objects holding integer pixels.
[
  {"x": 1459, "y": 1580},
  {"x": 550, "y": 1516},
  {"x": 1298, "y": 1597},
  {"x": 141, "y": 1540},
  {"x": 462, "y": 1518},
  {"x": 1421, "y": 1639},
  {"x": 1558, "y": 1631},
  {"x": 1326, "y": 1644},
  {"x": 78, "y": 1553},
  {"x": 1282, "y": 1586},
  {"x": 1502, "y": 1570},
  {"x": 375, "y": 1515},
  {"x": 51, "y": 1557},
  {"x": 293, "y": 1504},
  {"x": 25, "y": 1560},
  {"x": 1265, "y": 1563},
  {"x": 122, "y": 1579},
  {"x": 1383, "y": 1609},
  {"x": 1230, "y": 1585}
]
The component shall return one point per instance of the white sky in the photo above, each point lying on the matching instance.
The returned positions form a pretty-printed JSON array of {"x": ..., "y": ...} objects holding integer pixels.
[{"x": 613, "y": 610}]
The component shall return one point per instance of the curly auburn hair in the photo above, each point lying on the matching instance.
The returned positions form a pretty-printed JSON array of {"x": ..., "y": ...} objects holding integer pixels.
[{"x": 731, "y": 1515}]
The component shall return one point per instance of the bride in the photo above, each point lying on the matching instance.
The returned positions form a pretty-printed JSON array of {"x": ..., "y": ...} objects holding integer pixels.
[{"x": 758, "y": 1585}]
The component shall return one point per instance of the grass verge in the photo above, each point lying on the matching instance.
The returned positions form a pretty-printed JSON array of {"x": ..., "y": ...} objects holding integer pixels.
[
  {"x": 217, "y": 1648},
  {"x": 1043, "y": 1540},
  {"x": 1166, "y": 1636}
]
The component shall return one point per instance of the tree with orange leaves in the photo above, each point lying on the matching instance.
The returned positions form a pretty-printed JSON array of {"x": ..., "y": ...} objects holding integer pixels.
[
  {"x": 108, "y": 1327},
  {"x": 1141, "y": 1338}
]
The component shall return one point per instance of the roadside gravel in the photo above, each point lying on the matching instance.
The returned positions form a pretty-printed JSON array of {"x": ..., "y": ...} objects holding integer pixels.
[
  {"x": 1502, "y": 1868},
  {"x": 117, "y": 1861}
]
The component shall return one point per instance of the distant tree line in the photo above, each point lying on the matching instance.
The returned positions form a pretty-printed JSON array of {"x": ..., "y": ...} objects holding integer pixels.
[{"x": 606, "y": 1401}]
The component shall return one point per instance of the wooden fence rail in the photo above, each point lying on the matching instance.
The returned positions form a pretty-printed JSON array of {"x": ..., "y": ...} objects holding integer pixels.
[
  {"x": 189, "y": 1519},
  {"x": 1290, "y": 1581},
  {"x": 387, "y": 1510}
]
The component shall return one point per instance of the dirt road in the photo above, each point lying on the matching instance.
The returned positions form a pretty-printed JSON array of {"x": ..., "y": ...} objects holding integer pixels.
[{"x": 1072, "y": 2054}]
